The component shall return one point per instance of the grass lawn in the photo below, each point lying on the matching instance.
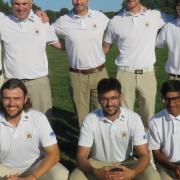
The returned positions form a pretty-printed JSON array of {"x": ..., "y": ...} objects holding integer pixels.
[{"x": 65, "y": 123}]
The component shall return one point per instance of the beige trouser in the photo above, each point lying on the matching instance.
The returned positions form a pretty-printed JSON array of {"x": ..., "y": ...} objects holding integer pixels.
[
  {"x": 144, "y": 86},
  {"x": 149, "y": 174},
  {"x": 174, "y": 78},
  {"x": 58, "y": 172},
  {"x": 84, "y": 92},
  {"x": 1, "y": 79}
]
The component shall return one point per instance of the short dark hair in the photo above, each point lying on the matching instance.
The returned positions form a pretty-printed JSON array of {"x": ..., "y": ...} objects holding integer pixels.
[
  {"x": 108, "y": 84},
  {"x": 170, "y": 86},
  {"x": 12, "y": 84}
]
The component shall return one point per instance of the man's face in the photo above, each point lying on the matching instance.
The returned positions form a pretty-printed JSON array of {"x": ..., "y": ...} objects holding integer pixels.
[
  {"x": 80, "y": 6},
  {"x": 178, "y": 9},
  {"x": 13, "y": 101},
  {"x": 21, "y": 8},
  {"x": 131, "y": 4},
  {"x": 172, "y": 103},
  {"x": 110, "y": 103}
]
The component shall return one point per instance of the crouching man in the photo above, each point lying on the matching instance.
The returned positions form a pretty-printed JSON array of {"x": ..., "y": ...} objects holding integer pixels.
[
  {"x": 107, "y": 139},
  {"x": 28, "y": 146},
  {"x": 164, "y": 132}
]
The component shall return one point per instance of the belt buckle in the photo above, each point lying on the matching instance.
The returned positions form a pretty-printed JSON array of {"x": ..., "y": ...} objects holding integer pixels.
[{"x": 138, "y": 71}]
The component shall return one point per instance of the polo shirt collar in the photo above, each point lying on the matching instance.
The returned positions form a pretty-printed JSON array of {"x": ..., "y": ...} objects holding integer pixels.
[
  {"x": 24, "y": 117},
  {"x": 170, "y": 117},
  {"x": 122, "y": 117},
  {"x": 30, "y": 18},
  {"x": 89, "y": 14},
  {"x": 127, "y": 13}
]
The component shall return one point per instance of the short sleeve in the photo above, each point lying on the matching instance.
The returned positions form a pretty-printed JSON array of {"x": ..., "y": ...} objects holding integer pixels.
[
  {"x": 139, "y": 136},
  {"x": 86, "y": 133},
  {"x": 161, "y": 40},
  {"x": 154, "y": 142},
  {"x": 46, "y": 134}
]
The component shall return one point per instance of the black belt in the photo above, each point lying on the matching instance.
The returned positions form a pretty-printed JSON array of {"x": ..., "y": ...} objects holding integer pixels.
[
  {"x": 26, "y": 80},
  {"x": 87, "y": 71},
  {"x": 174, "y": 75}
]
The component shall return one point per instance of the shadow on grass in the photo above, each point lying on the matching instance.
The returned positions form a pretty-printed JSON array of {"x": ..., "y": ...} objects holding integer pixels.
[{"x": 65, "y": 125}]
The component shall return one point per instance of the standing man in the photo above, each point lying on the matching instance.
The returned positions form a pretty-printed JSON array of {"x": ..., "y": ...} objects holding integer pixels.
[
  {"x": 83, "y": 31},
  {"x": 164, "y": 132},
  {"x": 134, "y": 32},
  {"x": 107, "y": 139},
  {"x": 169, "y": 36},
  {"x": 25, "y": 38},
  {"x": 28, "y": 146}
]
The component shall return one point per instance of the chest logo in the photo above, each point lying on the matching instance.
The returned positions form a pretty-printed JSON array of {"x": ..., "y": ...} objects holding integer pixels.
[
  {"x": 147, "y": 24},
  {"x": 29, "y": 136}
]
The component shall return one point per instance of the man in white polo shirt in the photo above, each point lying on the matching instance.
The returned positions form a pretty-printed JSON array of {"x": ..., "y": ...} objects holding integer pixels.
[
  {"x": 107, "y": 138},
  {"x": 134, "y": 31},
  {"x": 25, "y": 38},
  {"x": 169, "y": 36},
  {"x": 28, "y": 146},
  {"x": 164, "y": 132},
  {"x": 82, "y": 30}
]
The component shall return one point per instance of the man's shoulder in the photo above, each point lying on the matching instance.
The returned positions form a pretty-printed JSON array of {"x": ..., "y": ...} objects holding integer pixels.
[{"x": 159, "y": 116}]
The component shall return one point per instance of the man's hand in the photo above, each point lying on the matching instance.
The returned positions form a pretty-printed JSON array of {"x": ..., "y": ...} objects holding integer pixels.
[
  {"x": 176, "y": 170},
  {"x": 102, "y": 173},
  {"x": 120, "y": 173},
  {"x": 42, "y": 14},
  {"x": 16, "y": 177}
]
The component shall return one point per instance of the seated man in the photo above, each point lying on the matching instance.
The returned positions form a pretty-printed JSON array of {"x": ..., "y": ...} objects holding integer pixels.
[
  {"x": 107, "y": 138},
  {"x": 28, "y": 146},
  {"x": 164, "y": 132}
]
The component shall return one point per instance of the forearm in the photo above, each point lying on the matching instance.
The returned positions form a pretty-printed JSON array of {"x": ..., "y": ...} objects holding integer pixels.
[
  {"x": 46, "y": 164},
  {"x": 142, "y": 164},
  {"x": 162, "y": 159},
  {"x": 59, "y": 44}
]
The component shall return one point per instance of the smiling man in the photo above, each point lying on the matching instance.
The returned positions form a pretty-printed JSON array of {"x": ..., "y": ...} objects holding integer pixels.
[
  {"x": 25, "y": 38},
  {"x": 107, "y": 138},
  {"x": 134, "y": 31},
  {"x": 82, "y": 30},
  {"x": 28, "y": 146},
  {"x": 164, "y": 132}
]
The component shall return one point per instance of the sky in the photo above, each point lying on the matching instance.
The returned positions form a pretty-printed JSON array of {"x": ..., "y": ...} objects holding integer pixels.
[{"x": 56, "y": 5}]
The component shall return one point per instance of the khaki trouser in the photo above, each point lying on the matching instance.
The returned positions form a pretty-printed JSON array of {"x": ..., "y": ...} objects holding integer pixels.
[
  {"x": 149, "y": 174},
  {"x": 84, "y": 92},
  {"x": 144, "y": 86},
  {"x": 58, "y": 172}
]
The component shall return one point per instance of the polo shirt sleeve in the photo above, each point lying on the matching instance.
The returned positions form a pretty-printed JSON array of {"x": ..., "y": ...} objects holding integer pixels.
[
  {"x": 110, "y": 35},
  {"x": 46, "y": 134},
  {"x": 51, "y": 36},
  {"x": 139, "y": 136},
  {"x": 161, "y": 40},
  {"x": 57, "y": 26},
  {"x": 86, "y": 133},
  {"x": 154, "y": 141}
]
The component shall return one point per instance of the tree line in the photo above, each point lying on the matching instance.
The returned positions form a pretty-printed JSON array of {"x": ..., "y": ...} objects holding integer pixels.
[{"x": 167, "y": 6}]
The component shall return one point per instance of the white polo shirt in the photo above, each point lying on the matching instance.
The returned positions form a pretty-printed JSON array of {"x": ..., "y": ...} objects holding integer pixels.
[
  {"x": 83, "y": 38},
  {"x": 135, "y": 37},
  {"x": 164, "y": 133},
  {"x": 25, "y": 46},
  {"x": 170, "y": 36},
  {"x": 112, "y": 141},
  {"x": 21, "y": 146}
]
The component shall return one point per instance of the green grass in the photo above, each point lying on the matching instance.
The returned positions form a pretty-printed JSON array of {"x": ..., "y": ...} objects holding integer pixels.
[{"x": 64, "y": 121}]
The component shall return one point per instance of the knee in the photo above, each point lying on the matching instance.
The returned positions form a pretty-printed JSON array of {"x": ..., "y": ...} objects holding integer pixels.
[{"x": 77, "y": 174}]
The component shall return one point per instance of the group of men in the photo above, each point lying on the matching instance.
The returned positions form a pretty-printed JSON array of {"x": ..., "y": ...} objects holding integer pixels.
[{"x": 108, "y": 135}]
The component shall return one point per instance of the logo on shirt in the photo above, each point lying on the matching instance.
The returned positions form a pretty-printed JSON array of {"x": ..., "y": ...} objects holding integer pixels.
[
  {"x": 124, "y": 135},
  {"x": 52, "y": 134},
  {"x": 147, "y": 24},
  {"x": 29, "y": 136},
  {"x": 94, "y": 26},
  {"x": 37, "y": 31}
]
